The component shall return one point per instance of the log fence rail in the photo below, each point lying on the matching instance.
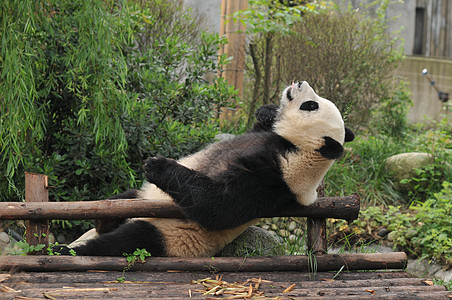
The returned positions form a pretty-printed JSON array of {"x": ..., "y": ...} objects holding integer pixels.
[{"x": 37, "y": 211}]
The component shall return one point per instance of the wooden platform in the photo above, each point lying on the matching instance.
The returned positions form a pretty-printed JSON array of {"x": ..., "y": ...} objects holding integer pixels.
[{"x": 244, "y": 285}]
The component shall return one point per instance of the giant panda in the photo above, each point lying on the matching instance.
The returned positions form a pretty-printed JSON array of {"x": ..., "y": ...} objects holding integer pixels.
[{"x": 228, "y": 186}]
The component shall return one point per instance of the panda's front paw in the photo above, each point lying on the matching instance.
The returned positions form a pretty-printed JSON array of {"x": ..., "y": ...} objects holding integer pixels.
[
  {"x": 155, "y": 167},
  {"x": 332, "y": 148}
]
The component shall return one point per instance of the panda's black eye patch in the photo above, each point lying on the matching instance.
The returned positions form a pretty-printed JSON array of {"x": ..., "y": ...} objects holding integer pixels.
[
  {"x": 309, "y": 106},
  {"x": 289, "y": 94}
]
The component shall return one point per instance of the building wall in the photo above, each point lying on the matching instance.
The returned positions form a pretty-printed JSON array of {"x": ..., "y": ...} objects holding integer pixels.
[
  {"x": 211, "y": 9},
  {"x": 426, "y": 105}
]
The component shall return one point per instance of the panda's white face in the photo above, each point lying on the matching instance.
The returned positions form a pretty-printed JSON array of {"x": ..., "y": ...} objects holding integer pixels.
[{"x": 304, "y": 117}]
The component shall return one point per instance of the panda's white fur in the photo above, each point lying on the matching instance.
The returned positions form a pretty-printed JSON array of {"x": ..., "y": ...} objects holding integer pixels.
[
  {"x": 302, "y": 170},
  {"x": 306, "y": 129},
  {"x": 183, "y": 237}
]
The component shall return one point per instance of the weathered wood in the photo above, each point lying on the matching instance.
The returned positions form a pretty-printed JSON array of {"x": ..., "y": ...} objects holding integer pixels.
[
  {"x": 36, "y": 194},
  {"x": 329, "y": 207},
  {"x": 163, "y": 285},
  {"x": 145, "y": 289},
  {"x": 186, "y": 276},
  {"x": 316, "y": 229},
  {"x": 327, "y": 262},
  {"x": 316, "y": 235}
]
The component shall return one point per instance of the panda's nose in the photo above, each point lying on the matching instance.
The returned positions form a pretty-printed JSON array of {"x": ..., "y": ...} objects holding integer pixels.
[{"x": 300, "y": 85}]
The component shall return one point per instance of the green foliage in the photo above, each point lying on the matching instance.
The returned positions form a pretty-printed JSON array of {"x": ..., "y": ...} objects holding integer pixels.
[
  {"x": 264, "y": 19},
  {"x": 346, "y": 56},
  {"x": 390, "y": 117},
  {"x": 436, "y": 141},
  {"x": 139, "y": 254},
  {"x": 269, "y": 16},
  {"x": 132, "y": 258},
  {"x": 424, "y": 230},
  {"x": 434, "y": 230},
  {"x": 447, "y": 284},
  {"x": 362, "y": 170},
  {"x": 23, "y": 248},
  {"x": 90, "y": 89},
  {"x": 427, "y": 180}
]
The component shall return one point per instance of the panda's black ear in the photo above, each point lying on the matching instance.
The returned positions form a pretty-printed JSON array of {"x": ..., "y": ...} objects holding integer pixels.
[{"x": 349, "y": 135}]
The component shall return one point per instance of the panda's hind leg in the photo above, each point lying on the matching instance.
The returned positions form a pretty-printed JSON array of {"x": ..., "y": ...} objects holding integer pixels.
[
  {"x": 110, "y": 224},
  {"x": 125, "y": 239}
]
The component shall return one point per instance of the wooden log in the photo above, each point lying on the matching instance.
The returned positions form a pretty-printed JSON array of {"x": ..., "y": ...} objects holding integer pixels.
[
  {"x": 36, "y": 194},
  {"x": 326, "y": 262},
  {"x": 330, "y": 207},
  {"x": 316, "y": 229},
  {"x": 316, "y": 235}
]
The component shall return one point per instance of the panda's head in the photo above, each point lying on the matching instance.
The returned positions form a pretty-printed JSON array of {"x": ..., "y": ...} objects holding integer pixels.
[{"x": 304, "y": 118}]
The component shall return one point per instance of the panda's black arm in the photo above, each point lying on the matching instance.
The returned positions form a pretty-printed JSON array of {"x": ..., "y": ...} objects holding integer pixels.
[
  {"x": 215, "y": 205},
  {"x": 265, "y": 118}
]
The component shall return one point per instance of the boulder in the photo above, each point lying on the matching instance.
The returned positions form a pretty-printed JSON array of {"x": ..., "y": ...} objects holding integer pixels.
[
  {"x": 402, "y": 166},
  {"x": 224, "y": 137},
  {"x": 254, "y": 241}
]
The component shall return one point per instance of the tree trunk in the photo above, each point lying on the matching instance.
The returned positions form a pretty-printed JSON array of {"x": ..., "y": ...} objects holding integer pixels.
[{"x": 268, "y": 67}]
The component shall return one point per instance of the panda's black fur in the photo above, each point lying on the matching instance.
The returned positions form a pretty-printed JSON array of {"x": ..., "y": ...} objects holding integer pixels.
[{"x": 229, "y": 185}]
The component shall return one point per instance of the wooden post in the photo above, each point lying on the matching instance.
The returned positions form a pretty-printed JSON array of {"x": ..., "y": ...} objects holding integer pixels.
[
  {"x": 235, "y": 48},
  {"x": 316, "y": 230},
  {"x": 36, "y": 191}
]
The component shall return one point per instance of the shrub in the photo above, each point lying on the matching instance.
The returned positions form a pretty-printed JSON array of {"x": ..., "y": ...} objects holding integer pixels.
[
  {"x": 345, "y": 55},
  {"x": 424, "y": 230},
  {"x": 90, "y": 89}
]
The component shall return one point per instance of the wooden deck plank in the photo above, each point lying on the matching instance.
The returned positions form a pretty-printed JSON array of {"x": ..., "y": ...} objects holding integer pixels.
[
  {"x": 102, "y": 285},
  {"x": 99, "y": 276}
]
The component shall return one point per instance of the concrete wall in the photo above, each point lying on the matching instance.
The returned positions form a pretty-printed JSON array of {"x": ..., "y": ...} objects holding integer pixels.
[
  {"x": 211, "y": 9},
  {"x": 427, "y": 106}
]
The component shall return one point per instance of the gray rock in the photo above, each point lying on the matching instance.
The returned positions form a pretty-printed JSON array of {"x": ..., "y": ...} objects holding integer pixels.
[
  {"x": 293, "y": 239},
  {"x": 284, "y": 233},
  {"x": 292, "y": 226},
  {"x": 411, "y": 233},
  {"x": 4, "y": 238},
  {"x": 254, "y": 241},
  {"x": 402, "y": 166},
  {"x": 61, "y": 238},
  {"x": 224, "y": 137},
  {"x": 424, "y": 268},
  {"x": 298, "y": 232},
  {"x": 392, "y": 236},
  {"x": 383, "y": 232}
]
